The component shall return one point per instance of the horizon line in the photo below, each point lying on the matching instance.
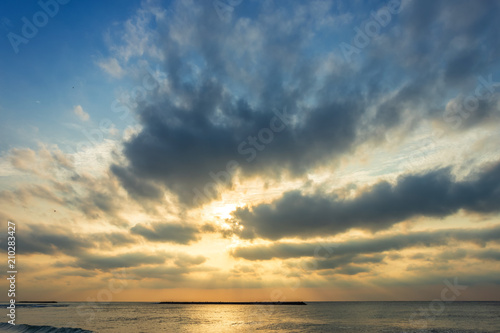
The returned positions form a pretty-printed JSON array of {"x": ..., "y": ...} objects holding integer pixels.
[{"x": 257, "y": 302}]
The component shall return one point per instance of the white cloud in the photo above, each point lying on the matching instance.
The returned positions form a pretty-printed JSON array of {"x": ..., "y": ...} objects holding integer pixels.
[
  {"x": 135, "y": 38},
  {"x": 78, "y": 110},
  {"x": 112, "y": 67},
  {"x": 95, "y": 159}
]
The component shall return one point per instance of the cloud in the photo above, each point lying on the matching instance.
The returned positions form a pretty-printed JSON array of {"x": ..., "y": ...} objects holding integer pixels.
[
  {"x": 75, "y": 272},
  {"x": 113, "y": 239},
  {"x": 433, "y": 194},
  {"x": 166, "y": 232},
  {"x": 97, "y": 200},
  {"x": 493, "y": 255},
  {"x": 220, "y": 104},
  {"x": 467, "y": 25},
  {"x": 78, "y": 111},
  {"x": 184, "y": 264},
  {"x": 181, "y": 144},
  {"x": 44, "y": 192},
  {"x": 351, "y": 270},
  {"x": 135, "y": 38},
  {"x": 125, "y": 260},
  {"x": 44, "y": 162},
  {"x": 245, "y": 270},
  {"x": 171, "y": 273},
  {"x": 346, "y": 264},
  {"x": 23, "y": 159},
  {"x": 45, "y": 239},
  {"x": 352, "y": 249},
  {"x": 112, "y": 67},
  {"x": 96, "y": 197},
  {"x": 139, "y": 189},
  {"x": 56, "y": 180},
  {"x": 186, "y": 260},
  {"x": 52, "y": 240}
]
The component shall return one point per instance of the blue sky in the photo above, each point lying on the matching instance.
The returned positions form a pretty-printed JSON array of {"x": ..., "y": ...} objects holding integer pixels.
[
  {"x": 206, "y": 148},
  {"x": 37, "y": 82}
]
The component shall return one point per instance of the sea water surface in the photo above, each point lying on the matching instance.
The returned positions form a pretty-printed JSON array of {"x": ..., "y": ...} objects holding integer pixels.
[{"x": 314, "y": 317}]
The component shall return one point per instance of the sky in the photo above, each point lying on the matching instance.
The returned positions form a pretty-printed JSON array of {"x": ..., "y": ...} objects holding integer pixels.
[{"x": 243, "y": 150}]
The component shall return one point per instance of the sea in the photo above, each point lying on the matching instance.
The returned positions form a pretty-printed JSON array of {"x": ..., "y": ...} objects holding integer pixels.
[{"x": 436, "y": 317}]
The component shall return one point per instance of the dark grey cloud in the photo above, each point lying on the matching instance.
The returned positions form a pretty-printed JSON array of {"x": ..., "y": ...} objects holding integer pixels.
[
  {"x": 166, "y": 232},
  {"x": 493, "y": 255},
  {"x": 221, "y": 99},
  {"x": 45, "y": 239},
  {"x": 467, "y": 111},
  {"x": 445, "y": 38},
  {"x": 335, "y": 254},
  {"x": 431, "y": 51},
  {"x": 459, "y": 254},
  {"x": 444, "y": 48},
  {"x": 104, "y": 202},
  {"x": 202, "y": 145},
  {"x": 351, "y": 270},
  {"x": 434, "y": 194},
  {"x": 348, "y": 264},
  {"x": 134, "y": 186},
  {"x": 103, "y": 262}
]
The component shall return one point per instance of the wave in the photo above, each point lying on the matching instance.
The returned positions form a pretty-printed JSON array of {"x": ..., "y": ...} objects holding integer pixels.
[{"x": 24, "y": 328}]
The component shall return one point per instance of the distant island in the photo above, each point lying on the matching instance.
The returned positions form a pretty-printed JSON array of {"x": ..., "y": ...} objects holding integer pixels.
[{"x": 239, "y": 303}]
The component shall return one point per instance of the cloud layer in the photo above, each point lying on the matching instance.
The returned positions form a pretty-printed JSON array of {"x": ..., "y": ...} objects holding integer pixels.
[
  {"x": 433, "y": 194},
  {"x": 219, "y": 104}
]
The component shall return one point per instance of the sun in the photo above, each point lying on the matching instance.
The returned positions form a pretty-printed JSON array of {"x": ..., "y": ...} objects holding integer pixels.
[{"x": 220, "y": 211}]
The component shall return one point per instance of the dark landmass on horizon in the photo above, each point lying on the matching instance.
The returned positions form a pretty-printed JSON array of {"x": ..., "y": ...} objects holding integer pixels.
[
  {"x": 36, "y": 302},
  {"x": 239, "y": 303}
]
